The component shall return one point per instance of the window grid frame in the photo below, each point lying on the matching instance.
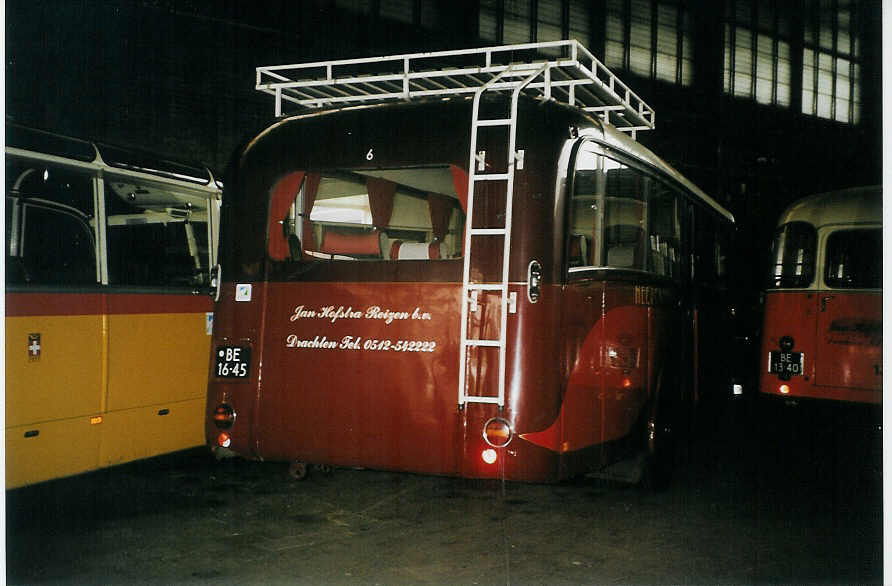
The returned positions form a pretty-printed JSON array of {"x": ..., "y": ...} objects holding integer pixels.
[
  {"x": 682, "y": 25},
  {"x": 813, "y": 46},
  {"x": 755, "y": 29}
]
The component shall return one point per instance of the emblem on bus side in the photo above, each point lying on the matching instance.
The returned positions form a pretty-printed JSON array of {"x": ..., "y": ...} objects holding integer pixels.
[
  {"x": 33, "y": 347},
  {"x": 243, "y": 292}
]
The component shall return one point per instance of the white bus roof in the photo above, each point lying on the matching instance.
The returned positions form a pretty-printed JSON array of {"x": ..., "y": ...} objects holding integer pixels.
[
  {"x": 855, "y": 205},
  {"x": 621, "y": 142}
]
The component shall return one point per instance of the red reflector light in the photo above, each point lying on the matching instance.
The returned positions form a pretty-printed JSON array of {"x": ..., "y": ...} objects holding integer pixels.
[
  {"x": 497, "y": 432},
  {"x": 223, "y": 440},
  {"x": 224, "y": 416},
  {"x": 489, "y": 455}
]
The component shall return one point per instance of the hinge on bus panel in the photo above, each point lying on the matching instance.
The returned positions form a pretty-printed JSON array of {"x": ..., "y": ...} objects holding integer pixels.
[
  {"x": 512, "y": 302},
  {"x": 518, "y": 158},
  {"x": 473, "y": 300},
  {"x": 481, "y": 160}
]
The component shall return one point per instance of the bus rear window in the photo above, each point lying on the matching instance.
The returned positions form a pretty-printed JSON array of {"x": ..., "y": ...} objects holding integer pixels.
[
  {"x": 793, "y": 256},
  {"x": 380, "y": 214},
  {"x": 854, "y": 259}
]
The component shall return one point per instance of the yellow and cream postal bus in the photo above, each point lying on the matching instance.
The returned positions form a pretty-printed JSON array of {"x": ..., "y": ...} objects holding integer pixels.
[{"x": 108, "y": 314}]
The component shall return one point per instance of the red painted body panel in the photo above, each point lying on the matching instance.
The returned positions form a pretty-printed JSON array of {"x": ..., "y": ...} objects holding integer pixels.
[
  {"x": 33, "y": 304},
  {"x": 841, "y": 336},
  {"x": 323, "y": 390}
]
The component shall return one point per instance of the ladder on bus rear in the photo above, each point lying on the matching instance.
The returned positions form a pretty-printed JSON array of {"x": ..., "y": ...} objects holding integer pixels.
[
  {"x": 571, "y": 75},
  {"x": 513, "y": 79}
]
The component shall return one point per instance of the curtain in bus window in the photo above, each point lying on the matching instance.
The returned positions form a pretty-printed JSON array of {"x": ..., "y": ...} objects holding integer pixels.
[
  {"x": 157, "y": 234},
  {"x": 370, "y": 214},
  {"x": 440, "y": 209},
  {"x": 380, "y": 200},
  {"x": 50, "y": 231},
  {"x": 854, "y": 259},
  {"x": 793, "y": 256},
  {"x": 307, "y": 242},
  {"x": 460, "y": 185},
  {"x": 282, "y": 199}
]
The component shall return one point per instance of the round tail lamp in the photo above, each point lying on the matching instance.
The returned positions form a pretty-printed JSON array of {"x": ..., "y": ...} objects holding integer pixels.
[{"x": 497, "y": 432}]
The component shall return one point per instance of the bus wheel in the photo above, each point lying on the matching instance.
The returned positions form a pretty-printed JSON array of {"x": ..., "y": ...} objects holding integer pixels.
[{"x": 298, "y": 470}]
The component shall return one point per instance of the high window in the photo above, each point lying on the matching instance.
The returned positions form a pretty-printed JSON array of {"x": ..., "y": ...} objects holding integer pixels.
[
  {"x": 651, "y": 38},
  {"x": 830, "y": 68},
  {"x": 757, "y": 51},
  {"x": 527, "y": 21}
]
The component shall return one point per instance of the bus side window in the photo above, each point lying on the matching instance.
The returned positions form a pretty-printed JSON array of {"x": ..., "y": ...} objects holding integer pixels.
[
  {"x": 854, "y": 259},
  {"x": 50, "y": 238},
  {"x": 664, "y": 232},
  {"x": 157, "y": 235},
  {"x": 625, "y": 216}
]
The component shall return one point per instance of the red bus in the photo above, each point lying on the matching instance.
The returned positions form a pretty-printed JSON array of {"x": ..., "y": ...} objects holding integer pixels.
[
  {"x": 474, "y": 275},
  {"x": 108, "y": 314},
  {"x": 823, "y": 331}
]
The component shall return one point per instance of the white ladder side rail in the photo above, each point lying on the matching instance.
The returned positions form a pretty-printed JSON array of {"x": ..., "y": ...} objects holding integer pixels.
[
  {"x": 466, "y": 269},
  {"x": 502, "y": 287}
]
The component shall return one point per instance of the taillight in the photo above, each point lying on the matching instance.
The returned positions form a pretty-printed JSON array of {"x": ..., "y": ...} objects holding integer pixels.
[
  {"x": 497, "y": 432},
  {"x": 223, "y": 440},
  {"x": 224, "y": 416}
]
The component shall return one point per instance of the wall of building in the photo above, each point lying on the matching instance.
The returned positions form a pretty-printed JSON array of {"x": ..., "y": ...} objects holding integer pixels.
[{"x": 177, "y": 77}]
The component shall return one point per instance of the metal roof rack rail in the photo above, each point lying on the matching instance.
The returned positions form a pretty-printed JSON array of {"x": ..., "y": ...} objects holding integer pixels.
[{"x": 576, "y": 78}]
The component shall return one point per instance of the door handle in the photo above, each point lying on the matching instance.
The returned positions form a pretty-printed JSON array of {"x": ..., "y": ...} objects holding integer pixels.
[{"x": 824, "y": 301}]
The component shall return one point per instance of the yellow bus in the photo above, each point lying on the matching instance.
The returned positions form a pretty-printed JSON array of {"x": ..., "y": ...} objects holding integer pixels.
[{"x": 108, "y": 315}]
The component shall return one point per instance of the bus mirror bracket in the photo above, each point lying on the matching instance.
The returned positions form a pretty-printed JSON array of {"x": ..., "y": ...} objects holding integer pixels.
[{"x": 216, "y": 282}]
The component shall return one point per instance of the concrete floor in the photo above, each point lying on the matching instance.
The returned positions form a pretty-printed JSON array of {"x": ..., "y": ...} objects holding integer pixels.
[{"x": 748, "y": 505}]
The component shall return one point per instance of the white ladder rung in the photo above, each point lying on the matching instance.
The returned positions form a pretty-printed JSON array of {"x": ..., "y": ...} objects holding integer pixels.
[
  {"x": 488, "y": 286},
  {"x": 487, "y": 231},
  {"x": 476, "y": 399},
  {"x": 491, "y": 177},
  {"x": 495, "y": 122},
  {"x": 486, "y": 343}
]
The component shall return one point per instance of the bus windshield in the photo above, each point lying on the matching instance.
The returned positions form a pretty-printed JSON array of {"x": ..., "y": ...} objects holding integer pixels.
[
  {"x": 381, "y": 214},
  {"x": 851, "y": 259},
  {"x": 793, "y": 256}
]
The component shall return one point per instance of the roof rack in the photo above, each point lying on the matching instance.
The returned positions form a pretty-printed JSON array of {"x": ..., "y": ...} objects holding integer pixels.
[{"x": 576, "y": 78}]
